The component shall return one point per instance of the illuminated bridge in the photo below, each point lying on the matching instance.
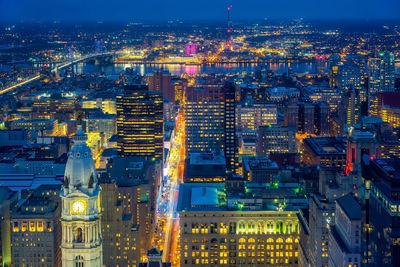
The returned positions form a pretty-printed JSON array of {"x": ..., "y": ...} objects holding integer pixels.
[{"x": 59, "y": 67}]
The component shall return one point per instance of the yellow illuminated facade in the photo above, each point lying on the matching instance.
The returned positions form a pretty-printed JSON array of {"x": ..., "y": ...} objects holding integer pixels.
[
  {"x": 239, "y": 238},
  {"x": 140, "y": 123}
]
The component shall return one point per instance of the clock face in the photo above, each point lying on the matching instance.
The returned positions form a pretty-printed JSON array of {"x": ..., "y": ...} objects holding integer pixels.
[{"x": 79, "y": 206}]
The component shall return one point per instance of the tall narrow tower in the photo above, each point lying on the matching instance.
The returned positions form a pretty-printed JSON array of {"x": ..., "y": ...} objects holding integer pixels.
[{"x": 81, "y": 244}]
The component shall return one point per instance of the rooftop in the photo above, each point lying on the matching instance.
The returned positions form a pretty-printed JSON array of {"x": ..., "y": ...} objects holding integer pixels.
[
  {"x": 204, "y": 197},
  {"x": 350, "y": 206},
  {"x": 327, "y": 145}
]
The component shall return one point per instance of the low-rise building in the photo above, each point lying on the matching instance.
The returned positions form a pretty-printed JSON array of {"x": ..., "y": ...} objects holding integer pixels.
[{"x": 215, "y": 230}]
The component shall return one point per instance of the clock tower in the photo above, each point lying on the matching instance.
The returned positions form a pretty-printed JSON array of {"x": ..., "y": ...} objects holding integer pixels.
[{"x": 81, "y": 244}]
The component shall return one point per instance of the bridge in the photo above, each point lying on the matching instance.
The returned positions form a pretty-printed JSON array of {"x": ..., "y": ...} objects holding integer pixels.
[{"x": 57, "y": 68}]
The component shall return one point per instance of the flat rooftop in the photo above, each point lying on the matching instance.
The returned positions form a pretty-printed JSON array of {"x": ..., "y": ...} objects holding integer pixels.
[
  {"x": 204, "y": 197},
  {"x": 350, "y": 206},
  {"x": 327, "y": 145}
]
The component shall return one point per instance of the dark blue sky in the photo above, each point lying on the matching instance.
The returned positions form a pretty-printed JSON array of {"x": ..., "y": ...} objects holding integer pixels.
[{"x": 133, "y": 10}]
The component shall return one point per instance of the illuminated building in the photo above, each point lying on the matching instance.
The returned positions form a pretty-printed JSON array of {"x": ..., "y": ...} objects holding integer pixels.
[
  {"x": 43, "y": 126},
  {"x": 154, "y": 259},
  {"x": 359, "y": 146},
  {"x": 325, "y": 94},
  {"x": 160, "y": 81},
  {"x": 59, "y": 109},
  {"x": 81, "y": 208},
  {"x": 327, "y": 151},
  {"x": 387, "y": 143},
  {"x": 190, "y": 49},
  {"x": 349, "y": 109},
  {"x": 210, "y": 121},
  {"x": 140, "y": 123},
  {"x": 275, "y": 138},
  {"x": 321, "y": 216},
  {"x": 322, "y": 119},
  {"x": 260, "y": 169},
  {"x": 8, "y": 200},
  {"x": 137, "y": 182},
  {"x": 119, "y": 229},
  {"x": 252, "y": 116},
  {"x": 384, "y": 211},
  {"x": 231, "y": 141},
  {"x": 333, "y": 73},
  {"x": 179, "y": 89},
  {"x": 279, "y": 94},
  {"x": 306, "y": 118},
  {"x": 107, "y": 105},
  {"x": 345, "y": 234},
  {"x": 36, "y": 231},
  {"x": 248, "y": 145},
  {"x": 350, "y": 79},
  {"x": 103, "y": 124},
  {"x": 216, "y": 230},
  {"x": 388, "y": 107},
  {"x": 382, "y": 73}
]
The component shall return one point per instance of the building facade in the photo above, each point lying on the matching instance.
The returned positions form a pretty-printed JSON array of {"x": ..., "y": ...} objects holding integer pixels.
[{"x": 81, "y": 208}]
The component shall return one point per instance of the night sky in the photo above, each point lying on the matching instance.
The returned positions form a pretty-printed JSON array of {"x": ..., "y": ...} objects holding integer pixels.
[{"x": 156, "y": 10}]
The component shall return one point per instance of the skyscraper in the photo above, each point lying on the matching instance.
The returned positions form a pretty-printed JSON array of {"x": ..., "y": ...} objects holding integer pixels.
[
  {"x": 381, "y": 73},
  {"x": 231, "y": 142},
  {"x": 160, "y": 81},
  {"x": 140, "y": 122},
  {"x": 210, "y": 121},
  {"x": 80, "y": 220}
]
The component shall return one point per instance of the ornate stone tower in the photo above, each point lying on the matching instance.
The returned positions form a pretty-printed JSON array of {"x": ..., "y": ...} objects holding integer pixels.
[{"x": 81, "y": 244}]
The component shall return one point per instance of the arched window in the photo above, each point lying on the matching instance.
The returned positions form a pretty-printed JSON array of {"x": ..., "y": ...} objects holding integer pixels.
[
  {"x": 260, "y": 228},
  {"x": 289, "y": 240},
  {"x": 242, "y": 240},
  {"x": 79, "y": 235},
  {"x": 279, "y": 240},
  {"x": 251, "y": 240},
  {"x": 270, "y": 240},
  {"x": 79, "y": 261}
]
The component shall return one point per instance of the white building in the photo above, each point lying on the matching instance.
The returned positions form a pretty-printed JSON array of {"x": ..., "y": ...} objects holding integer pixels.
[
  {"x": 81, "y": 244},
  {"x": 345, "y": 235}
]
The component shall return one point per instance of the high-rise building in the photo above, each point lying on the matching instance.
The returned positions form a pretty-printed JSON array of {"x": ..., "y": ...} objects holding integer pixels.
[
  {"x": 160, "y": 81},
  {"x": 381, "y": 73},
  {"x": 81, "y": 243},
  {"x": 321, "y": 216},
  {"x": 275, "y": 138},
  {"x": 231, "y": 146},
  {"x": 382, "y": 248},
  {"x": 333, "y": 63},
  {"x": 36, "y": 231},
  {"x": 307, "y": 118},
  {"x": 345, "y": 234},
  {"x": 137, "y": 181},
  {"x": 210, "y": 121},
  {"x": 204, "y": 119},
  {"x": 292, "y": 116},
  {"x": 121, "y": 242},
  {"x": 140, "y": 122},
  {"x": 253, "y": 115}
]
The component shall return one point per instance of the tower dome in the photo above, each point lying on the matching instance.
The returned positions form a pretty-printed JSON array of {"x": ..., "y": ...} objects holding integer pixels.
[{"x": 80, "y": 171}]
